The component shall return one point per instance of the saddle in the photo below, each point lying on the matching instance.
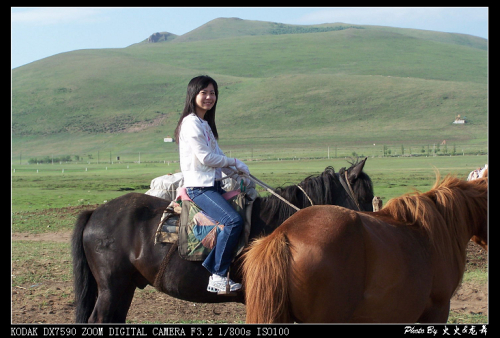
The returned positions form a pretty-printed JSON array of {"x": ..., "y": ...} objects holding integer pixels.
[{"x": 194, "y": 231}]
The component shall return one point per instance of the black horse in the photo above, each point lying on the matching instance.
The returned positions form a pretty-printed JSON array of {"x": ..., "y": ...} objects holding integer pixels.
[{"x": 114, "y": 252}]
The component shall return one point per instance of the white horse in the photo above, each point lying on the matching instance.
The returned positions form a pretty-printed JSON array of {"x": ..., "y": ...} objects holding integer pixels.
[{"x": 478, "y": 173}]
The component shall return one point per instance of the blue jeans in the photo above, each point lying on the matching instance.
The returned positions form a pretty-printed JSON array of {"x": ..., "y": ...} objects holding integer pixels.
[{"x": 210, "y": 200}]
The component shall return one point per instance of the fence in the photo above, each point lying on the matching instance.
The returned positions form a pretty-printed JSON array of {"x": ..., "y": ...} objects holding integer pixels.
[{"x": 260, "y": 153}]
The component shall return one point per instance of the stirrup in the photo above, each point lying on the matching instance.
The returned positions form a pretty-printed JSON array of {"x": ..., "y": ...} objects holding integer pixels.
[{"x": 226, "y": 292}]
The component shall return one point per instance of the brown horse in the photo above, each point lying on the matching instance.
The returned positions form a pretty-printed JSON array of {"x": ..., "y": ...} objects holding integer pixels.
[{"x": 328, "y": 264}]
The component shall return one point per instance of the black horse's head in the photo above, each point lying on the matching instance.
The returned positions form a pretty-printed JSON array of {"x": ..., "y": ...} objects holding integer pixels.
[
  {"x": 323, "y": 189},
  {"x": 360, "y": 183}
]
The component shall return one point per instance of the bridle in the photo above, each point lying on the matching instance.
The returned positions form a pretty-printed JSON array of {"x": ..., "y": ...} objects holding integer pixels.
[
  {"x": 309, "y": 198},
  {"x": 347, "y": 187}
]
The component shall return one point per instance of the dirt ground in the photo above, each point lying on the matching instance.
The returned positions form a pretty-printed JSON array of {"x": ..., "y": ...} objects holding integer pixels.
[{"x": 52, "y": 302}]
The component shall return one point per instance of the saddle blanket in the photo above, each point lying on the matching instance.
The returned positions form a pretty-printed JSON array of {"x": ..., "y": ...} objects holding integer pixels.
[
  {"x": 165, "y": 186},
  {"x": 195, "y": 231}
]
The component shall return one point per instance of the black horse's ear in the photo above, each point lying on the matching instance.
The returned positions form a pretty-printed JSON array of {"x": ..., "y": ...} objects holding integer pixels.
[{"x": 354, "y": 171}]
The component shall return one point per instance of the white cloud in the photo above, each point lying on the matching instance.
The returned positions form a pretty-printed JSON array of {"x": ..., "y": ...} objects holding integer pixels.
[{"x": 55, "y": 15}]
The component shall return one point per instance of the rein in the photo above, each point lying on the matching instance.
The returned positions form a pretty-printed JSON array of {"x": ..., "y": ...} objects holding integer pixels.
[
  {"x": 269, "y": 189},
  {"x": 347, "y": 187},
  {"x": 343, "y": 180}
]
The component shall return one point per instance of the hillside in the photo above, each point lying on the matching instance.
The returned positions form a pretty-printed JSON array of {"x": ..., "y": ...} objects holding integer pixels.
[
  {"x": 233, "y": 27},
  {"x": 341, "y": 83},
  {"x": 160, "y": 37}
]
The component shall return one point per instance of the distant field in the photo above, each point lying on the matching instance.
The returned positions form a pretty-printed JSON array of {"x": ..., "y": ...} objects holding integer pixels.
[{"x": 50, "y": 187}]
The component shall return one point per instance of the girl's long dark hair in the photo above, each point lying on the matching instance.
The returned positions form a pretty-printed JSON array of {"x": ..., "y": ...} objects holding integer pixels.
[{"x": 194, "y": 87}]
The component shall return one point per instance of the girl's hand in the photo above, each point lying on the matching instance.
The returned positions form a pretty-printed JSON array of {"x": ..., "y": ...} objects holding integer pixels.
[{"x": 241, "y": 167}]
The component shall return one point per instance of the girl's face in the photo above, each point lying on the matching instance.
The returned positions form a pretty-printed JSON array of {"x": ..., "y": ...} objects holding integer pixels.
[{"x": 205, "y": 99}]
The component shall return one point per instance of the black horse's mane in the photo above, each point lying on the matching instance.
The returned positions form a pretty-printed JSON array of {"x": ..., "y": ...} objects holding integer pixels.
[{"x": 323, "y": 189}]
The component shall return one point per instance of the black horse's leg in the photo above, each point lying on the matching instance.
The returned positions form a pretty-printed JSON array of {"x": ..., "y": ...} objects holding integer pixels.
[
  {"x": 115, "y": 287},
  {"x": 124, "y": 304},
  {"x": 113, "y": 301}
]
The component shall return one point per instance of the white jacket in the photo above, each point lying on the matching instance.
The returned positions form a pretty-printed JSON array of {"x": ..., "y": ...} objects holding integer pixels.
[{"x": 201, "y": 158}]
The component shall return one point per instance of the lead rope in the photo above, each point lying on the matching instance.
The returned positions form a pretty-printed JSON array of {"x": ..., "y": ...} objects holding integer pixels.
[{"x": 269, "y": 189}]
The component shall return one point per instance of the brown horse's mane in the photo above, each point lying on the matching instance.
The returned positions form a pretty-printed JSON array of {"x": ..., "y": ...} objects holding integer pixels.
[{"x": 446, "y": 212}]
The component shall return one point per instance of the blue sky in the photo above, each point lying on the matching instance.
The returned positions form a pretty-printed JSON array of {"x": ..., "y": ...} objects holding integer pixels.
[{"x": 39, "y": 32}]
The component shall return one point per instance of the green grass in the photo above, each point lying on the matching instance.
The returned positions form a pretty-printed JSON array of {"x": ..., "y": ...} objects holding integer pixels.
[
  {"x": 51, "y": 188},
  {"x": 39, "y": 261},
  {"x": 37, "y": 198},
  {"x": 469, "y": 318},
  {"x": 478, "y": 276}
]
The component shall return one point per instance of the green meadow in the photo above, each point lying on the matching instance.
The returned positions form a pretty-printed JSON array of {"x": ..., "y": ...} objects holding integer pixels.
[{"x": 70, "y": 185}]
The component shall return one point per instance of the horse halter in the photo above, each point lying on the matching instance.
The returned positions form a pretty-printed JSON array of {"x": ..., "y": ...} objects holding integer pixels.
[{"x": 347, "y": 187}]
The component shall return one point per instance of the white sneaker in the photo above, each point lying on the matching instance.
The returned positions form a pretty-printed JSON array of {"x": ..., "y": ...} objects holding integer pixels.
[{"x": 217, "y": 283}]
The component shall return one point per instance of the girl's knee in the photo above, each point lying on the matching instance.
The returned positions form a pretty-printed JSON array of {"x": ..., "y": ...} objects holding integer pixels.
[{"x": 236, "y": 221}]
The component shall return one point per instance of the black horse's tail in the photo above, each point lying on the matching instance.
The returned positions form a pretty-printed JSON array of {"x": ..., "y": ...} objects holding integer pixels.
[{"x": 85, "y": 283}]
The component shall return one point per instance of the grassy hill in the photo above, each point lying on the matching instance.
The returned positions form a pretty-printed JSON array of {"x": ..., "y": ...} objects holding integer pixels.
[{"x": 280, "y": 85}]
